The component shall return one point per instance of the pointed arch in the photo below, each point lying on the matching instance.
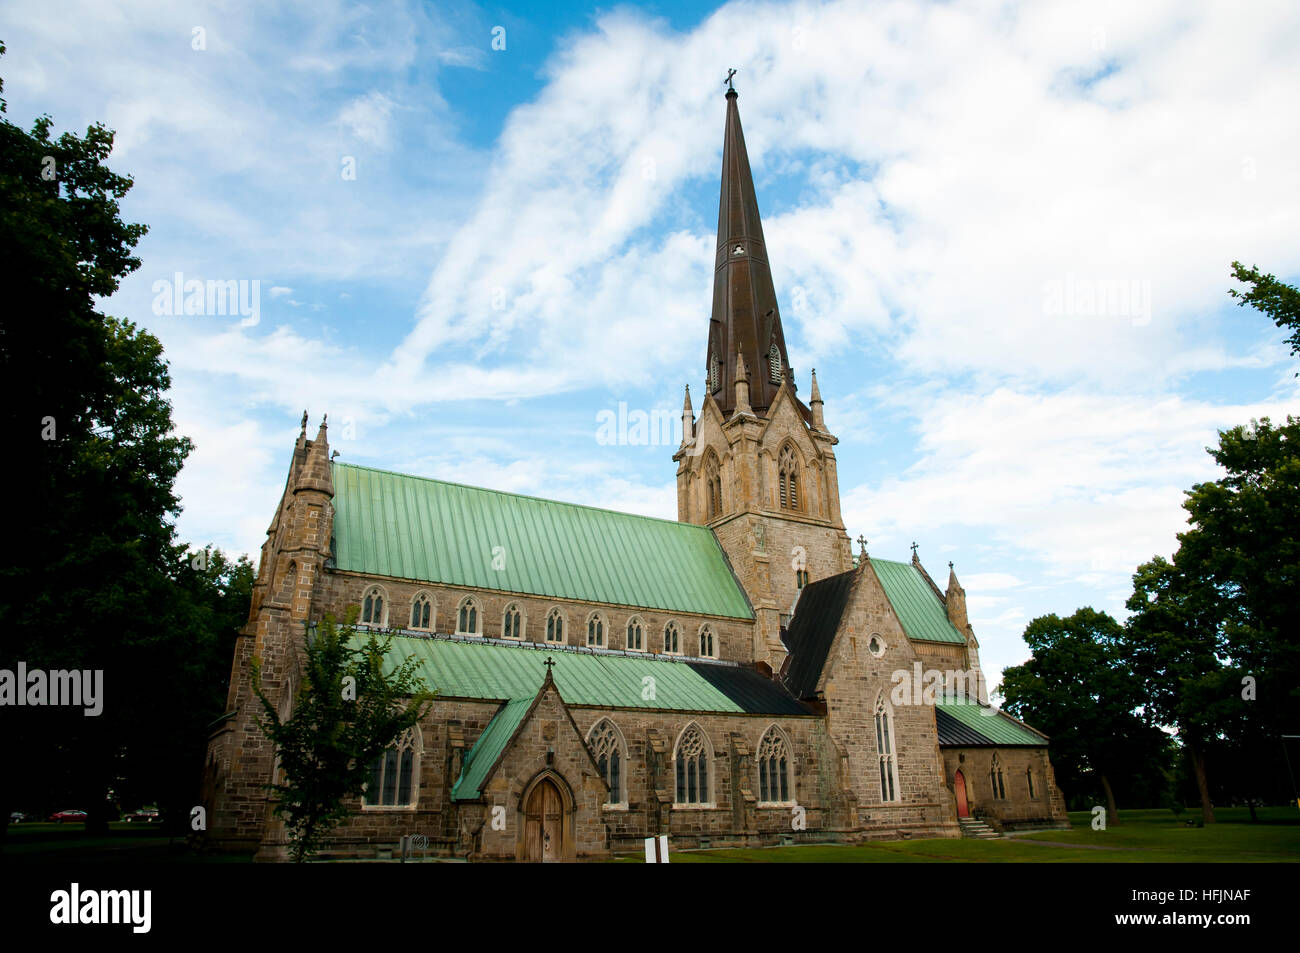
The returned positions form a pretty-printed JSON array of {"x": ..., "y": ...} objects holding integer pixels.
[
  {"x": 774, "y": 768},
  {"x": 374, "y": 606},
  {"x": 394, "y": 779},
  {"x": 555, "y": 626},
  {"x": 692, "y": 768},
  {"x": 423, "y": 610},
  {"x": 712, "y": 471},
  {"x": 468, "y": 620},
  {"x": 708, "y": 641},
  {"x": 996, "y": 780},
  {"x": 774, "y": 364},
  {"x": 636, "y": 630},
  {"x": 886, "y": 759},
  {"x": 513, "y": 622},
  {"x": 672, "y": 638},
  {"x": 596, "y": 630},
  {"x": 609, "y": 750},
  {"x": 789, "y": 477}
]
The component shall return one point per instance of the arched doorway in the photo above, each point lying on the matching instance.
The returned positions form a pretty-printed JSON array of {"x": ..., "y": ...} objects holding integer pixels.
[
  {"x": 959, "y": 788},
  {"x": 544, "y": 840}
]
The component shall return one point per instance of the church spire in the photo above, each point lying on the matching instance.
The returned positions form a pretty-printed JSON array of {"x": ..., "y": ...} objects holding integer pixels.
[{"x": 745, "y": 319}]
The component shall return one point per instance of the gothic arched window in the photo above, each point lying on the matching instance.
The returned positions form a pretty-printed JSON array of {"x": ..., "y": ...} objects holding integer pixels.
[
  {"x": 713, "y": 486},
  {"x": 555, "y": 626},
  {"x": 715, "y": 377},
  {"x": 774, "y": 768},
  {"x": 467, "y": 617},
  {"x": 885, "y": 750},
  {"x": 512, "y": 623},
  {"x": 422, "y": 611},
  {"x": 995, "y": 779},
  {"x": 672, "y": 643},
  {"x": 692, "y": 764},
  {"x": 708, "y": 648},
  {"x": 596, "y": 631},
  {"x": 373, "y": 609},
  {"x": 635, "y": 634},
  {"x": 774, "y": 364},
  {"x": 787, "y": 478},
  {"x": 394, "y": 775},
  {"x": 610, "y": 754}
]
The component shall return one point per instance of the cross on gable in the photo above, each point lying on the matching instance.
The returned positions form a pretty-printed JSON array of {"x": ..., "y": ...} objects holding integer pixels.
[
  {"x": 913, "y": 547},
  {"x": 548, "y": 663}
]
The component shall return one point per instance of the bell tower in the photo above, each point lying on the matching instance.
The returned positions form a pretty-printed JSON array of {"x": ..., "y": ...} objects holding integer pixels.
[{"x": 758, "y": 466}]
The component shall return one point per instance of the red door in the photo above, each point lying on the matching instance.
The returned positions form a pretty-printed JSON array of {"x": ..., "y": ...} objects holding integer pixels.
[{"x": 959, "y": 788}]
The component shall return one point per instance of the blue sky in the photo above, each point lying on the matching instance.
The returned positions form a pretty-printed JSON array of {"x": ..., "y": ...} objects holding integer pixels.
[{"x": 1000, "y": 232}]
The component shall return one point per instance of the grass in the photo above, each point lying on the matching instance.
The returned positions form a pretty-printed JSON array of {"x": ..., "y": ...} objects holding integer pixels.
[
  {"x": 134, "y": 842},
  {"x": 1155, "y": 836}
]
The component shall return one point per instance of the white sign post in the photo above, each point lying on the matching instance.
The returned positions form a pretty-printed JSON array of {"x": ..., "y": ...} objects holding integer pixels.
[{"x": 656, "y": 849}]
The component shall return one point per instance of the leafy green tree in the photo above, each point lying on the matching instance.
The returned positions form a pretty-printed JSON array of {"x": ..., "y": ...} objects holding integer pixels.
[
  {"x": 1175, "y": 645},
  {"x": 1078, "y": 690},
  {"x": 93, "y": 578},
  {"x": 1278, "y": 300},
  {"x": 347, "y": 711}
]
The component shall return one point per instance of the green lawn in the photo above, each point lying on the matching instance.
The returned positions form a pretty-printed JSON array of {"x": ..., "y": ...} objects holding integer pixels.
[
  {"x": 1141, "y": 837},
  {"x": 59, "y": 843}
]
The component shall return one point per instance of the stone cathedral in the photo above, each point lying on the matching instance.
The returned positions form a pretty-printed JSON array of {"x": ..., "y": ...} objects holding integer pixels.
[{"x": 739, "y": 677}]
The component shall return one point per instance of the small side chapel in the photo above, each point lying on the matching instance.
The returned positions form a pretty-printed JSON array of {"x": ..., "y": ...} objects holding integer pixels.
[{"x": 727, "y": 679}]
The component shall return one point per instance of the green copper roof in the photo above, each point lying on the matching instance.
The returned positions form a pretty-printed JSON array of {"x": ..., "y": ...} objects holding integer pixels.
[
  {"x": 474, "y": 669},
  {"x": 388, "y": 524},
  {"x": 919, "y": 610},
  {"x": 483, "y": 756},
  {"x": 990, "y": 724}
]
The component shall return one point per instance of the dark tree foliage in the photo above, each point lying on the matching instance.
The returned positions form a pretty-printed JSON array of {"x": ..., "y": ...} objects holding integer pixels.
[
  {"x": 92, "y": 577},
  {"x": 1077, "y": 688}
]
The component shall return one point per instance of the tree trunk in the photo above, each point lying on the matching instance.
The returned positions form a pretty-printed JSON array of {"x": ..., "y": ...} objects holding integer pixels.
[
  {"x": 1202, "y": 785},
  {"x": 1112, "y": 812}
]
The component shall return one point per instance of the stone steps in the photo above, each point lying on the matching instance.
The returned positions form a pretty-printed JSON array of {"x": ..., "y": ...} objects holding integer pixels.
[{"x": 970, "y": 827}]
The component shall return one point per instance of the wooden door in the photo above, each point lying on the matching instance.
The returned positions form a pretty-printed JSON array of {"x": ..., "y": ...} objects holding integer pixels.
[
  {"x": 544, "y": 818},
  {"x": 959, "y": 788}
]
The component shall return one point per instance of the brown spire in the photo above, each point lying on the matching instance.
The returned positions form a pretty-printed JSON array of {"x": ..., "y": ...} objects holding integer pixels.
[{"x": 745, "y": 316}]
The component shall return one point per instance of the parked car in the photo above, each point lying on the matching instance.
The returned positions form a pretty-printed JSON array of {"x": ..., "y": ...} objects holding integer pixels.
[
  {"x": 146, "y": 814},
  {"x": 17, "y": 817},
  {"x": 63, "y": 816}
]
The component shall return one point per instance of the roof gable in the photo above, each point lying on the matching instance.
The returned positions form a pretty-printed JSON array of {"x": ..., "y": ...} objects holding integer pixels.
[
  {"x": 920, "y": 612},
  {"x": 968, "y": 724},
  {"x": 812, "y": 631},
  {"x": 390, "y": 524}
]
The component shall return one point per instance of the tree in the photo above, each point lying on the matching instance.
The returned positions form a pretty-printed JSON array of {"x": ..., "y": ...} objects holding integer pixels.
[
  {"x": 1278, "y": 300},
  {"x": 346, "y": 712},
  {"x": 1077, "y": 689},
  {"x": 1175, "y": 645},
  {"x": 93, "y": 579}
]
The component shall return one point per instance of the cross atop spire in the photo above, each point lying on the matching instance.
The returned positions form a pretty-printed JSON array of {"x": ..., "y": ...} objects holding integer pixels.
[
  {"x": 730, "y": 86},
  {"x": 745, "y": 320}
]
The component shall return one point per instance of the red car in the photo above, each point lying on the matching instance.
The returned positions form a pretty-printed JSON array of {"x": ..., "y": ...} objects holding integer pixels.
[{"x": 68, "y": 816}]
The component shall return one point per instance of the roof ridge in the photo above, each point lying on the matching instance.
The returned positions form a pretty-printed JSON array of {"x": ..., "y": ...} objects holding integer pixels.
[{"x": 524, "y": 496}]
